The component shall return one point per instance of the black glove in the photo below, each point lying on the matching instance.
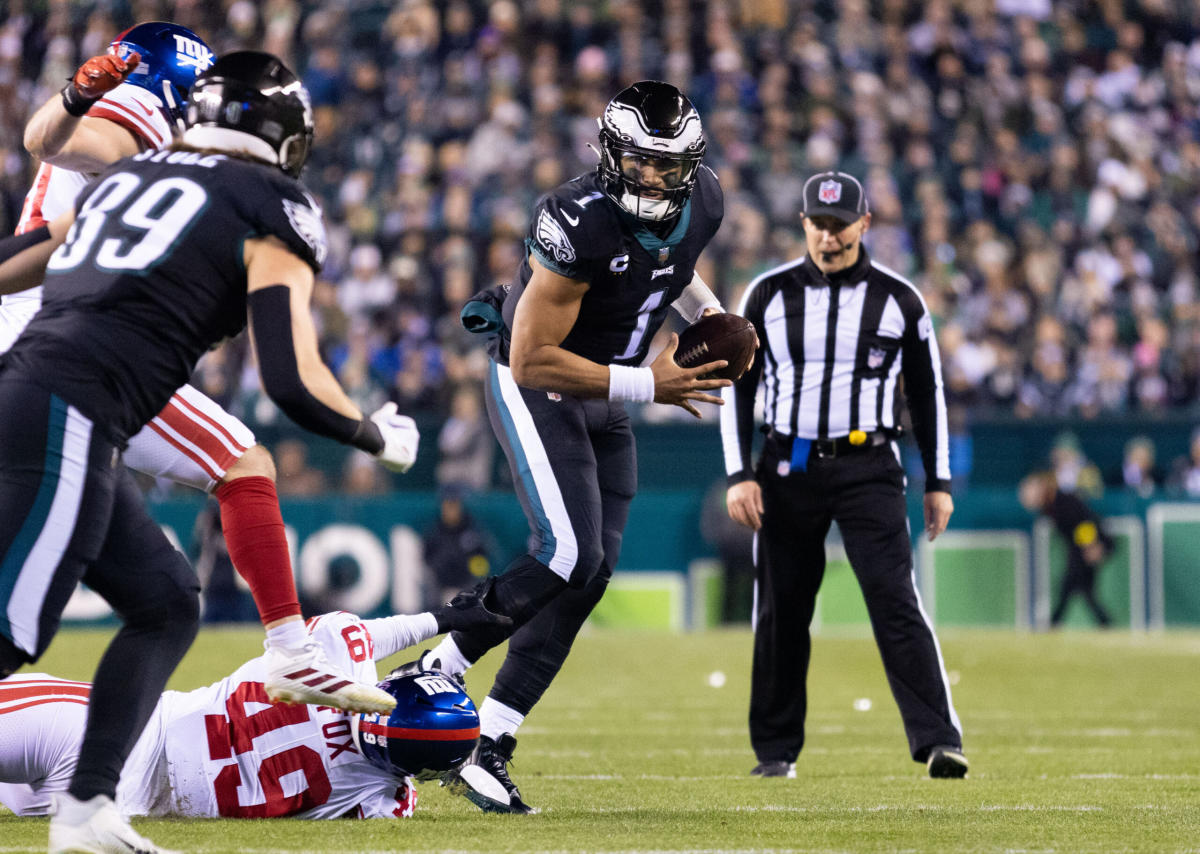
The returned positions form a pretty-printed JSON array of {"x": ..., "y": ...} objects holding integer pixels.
[{"x": 466, "y": 612}]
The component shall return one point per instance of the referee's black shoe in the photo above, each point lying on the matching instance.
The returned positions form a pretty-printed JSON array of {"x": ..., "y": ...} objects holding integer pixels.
[
  {"x": 774, "y": 768},
  {"x": 947, "y": 763},
  {"x": 483, "y": 779}
]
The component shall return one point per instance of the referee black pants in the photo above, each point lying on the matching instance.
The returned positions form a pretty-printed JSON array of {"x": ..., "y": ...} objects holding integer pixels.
[{"x": 863, "y": 491}]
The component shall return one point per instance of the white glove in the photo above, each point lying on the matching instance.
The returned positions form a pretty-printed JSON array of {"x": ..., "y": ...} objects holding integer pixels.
[{"x": 400, "y": 438}]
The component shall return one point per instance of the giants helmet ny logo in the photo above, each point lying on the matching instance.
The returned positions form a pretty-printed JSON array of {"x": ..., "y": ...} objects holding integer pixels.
[{"x": 829, "y": 192}]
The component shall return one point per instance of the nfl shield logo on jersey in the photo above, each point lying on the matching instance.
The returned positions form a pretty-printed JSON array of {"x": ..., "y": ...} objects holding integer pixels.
[
  {"x": 664, "y": 252},
  {"x": 830, "y": 192},
  {"x": 875, "y": 358}
]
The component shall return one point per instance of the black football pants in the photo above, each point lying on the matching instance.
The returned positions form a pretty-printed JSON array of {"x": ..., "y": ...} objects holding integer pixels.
[
  {"x": 863, "y": 491},
  {"x": 69, "y": 511},
  {"x": 574, "y": 468}
]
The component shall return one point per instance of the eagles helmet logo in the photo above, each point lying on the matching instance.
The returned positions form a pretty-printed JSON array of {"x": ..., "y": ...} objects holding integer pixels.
[
  {"x": 306, "y": 221},
  {"x": 553, "y": 239},
  {"x": 830, "y": 192}
]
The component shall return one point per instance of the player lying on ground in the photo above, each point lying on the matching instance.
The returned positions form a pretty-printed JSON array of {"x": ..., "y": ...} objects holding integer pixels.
[{"x": 227, "y": 751}]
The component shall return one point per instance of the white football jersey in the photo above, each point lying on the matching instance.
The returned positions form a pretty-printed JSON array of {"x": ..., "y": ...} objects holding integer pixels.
[
  {"x": 54, "y": 189},
  {"x": 227, "y": 751}
]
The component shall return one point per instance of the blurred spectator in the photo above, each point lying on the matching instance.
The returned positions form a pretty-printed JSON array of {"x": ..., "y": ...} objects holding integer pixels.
[
  {"x": 1073, "y": 471},
  {"x": 1138, "y": 470},
  {"x": 362, "y": 475},
  {"x": 226, "y": 600},
  {"x": 294, "y": 477},
  {"x": 734, "y": 545},
  {"x": 458, "y": 552},
  {"x": 1185, "y": 471},
  {"x": 466, "y": 447}
]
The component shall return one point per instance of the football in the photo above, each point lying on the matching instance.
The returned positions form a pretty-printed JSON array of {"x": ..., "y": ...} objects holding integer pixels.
[{"x": 718, "y": 336}]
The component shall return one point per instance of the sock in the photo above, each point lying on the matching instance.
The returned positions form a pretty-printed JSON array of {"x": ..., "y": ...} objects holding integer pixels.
[
  {"x": 451, "y": 659},
  {"x": 254, "y": 534},
  {"x": 496, "y": 719},
  {"x": 289, "y": 635}
]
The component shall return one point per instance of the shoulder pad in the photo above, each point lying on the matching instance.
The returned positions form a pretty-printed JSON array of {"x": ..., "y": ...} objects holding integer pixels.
[
  {"x": 136, "y": 110},
  {"x": 299, "y": 222},
  {"x": 574, "y": 224},
  {"x": 708, "y": 189}
]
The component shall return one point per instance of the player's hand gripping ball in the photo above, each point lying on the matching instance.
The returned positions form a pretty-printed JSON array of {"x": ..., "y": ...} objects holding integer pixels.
[{"x": 718, "y": 336}]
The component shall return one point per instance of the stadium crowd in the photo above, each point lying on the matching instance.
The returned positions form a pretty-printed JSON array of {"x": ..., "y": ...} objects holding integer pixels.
[{"x": 1033, "y": 165}]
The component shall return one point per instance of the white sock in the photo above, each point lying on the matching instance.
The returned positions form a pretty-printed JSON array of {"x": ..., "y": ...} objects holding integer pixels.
[
  {"x": 496, "y": 719},
  {"x": 450, "y": 657},
  {"x": 289, "y": 635}
]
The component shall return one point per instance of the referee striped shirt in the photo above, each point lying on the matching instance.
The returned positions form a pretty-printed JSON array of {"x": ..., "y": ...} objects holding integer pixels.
[{"x": 832, "y": 351}]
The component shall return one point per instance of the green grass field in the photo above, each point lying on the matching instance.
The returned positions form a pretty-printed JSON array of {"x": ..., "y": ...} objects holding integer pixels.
[{"x": 1079, "y": 742}]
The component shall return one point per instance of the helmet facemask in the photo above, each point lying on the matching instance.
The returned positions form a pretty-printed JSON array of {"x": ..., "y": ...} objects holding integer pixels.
[{"x": 651, "y": 144}]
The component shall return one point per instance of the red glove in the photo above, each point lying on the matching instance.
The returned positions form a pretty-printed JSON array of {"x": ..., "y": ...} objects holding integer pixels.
[
  {"x": 98, "y": 75},
  {"x": 103, "y": 73}
]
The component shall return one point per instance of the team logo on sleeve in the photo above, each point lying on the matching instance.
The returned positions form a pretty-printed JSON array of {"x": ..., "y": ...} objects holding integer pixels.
[
  {"x": 925, "y": 327},
  {"x": 306, "y": 221},
  {"x": 552, "y": 239}
]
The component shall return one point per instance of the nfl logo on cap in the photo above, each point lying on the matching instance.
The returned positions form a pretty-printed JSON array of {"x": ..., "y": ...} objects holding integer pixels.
[{"x": 830, "y": 192}]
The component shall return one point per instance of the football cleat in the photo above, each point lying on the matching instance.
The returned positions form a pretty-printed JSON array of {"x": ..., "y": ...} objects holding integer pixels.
[
  {"x": 94, "y": 827},
  {"x": 947, "y": 763},
  {"x": 775, "y": 768},
  {"x": 305, "y": 675},
  {"x": 483, "y": 779}
]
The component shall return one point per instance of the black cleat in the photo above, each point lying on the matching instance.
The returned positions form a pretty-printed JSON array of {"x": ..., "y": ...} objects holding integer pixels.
[
  {"x": 483, "y": 779},
  {"x": 774, "y": 768},
  {"x": 947, "y": 763}
]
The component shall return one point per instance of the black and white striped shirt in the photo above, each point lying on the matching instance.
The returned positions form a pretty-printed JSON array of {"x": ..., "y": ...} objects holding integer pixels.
[{"x": 832, "y": 349}]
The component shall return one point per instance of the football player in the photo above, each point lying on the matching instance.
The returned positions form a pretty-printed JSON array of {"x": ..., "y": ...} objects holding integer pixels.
[
  {"x": 165, "y": 254},
  {"x": 116, "y": 105},
  {"x": 225, "y": 750},
  {"x": 606, "y": 255}
]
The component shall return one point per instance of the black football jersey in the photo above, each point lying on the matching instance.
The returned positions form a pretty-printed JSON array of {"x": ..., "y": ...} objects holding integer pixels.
[
  {"x": 634, "y": 275},
  {"x": 152, "y": 275}
]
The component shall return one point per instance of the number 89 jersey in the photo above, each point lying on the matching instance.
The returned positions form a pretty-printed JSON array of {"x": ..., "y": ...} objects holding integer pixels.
[
  {"x": 152, "y": 274},
  {"x": 227, "y": 751},
  {"x": 633, "y": 273}
]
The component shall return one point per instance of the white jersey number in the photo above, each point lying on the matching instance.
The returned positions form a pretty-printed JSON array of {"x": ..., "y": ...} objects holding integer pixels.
[
  {"x": 158, "y": 216},
  {"x": 234, "y": 733}
]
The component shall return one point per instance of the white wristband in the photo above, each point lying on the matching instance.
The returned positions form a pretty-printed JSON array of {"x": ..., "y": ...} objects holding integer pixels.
[
  {"x": 696, "y": 298},
  {"x": 633, "y": 384}
]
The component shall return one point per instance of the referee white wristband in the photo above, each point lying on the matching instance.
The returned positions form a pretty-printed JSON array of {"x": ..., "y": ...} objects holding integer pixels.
[{"x": 635, "y": 385}]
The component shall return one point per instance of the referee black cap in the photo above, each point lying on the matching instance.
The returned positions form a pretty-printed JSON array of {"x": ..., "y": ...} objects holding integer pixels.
[{"x": 834, "y": 194}]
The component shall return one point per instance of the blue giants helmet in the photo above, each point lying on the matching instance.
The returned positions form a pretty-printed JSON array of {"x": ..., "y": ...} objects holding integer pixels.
[
  {"x": 433, "y": 728},
  {"x": 172, "y": 57}
]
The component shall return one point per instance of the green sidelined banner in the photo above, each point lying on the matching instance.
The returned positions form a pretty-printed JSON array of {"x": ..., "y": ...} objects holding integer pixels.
[
  {"x": 976, "y": 578},
  {"x": 364, "y": 554}
]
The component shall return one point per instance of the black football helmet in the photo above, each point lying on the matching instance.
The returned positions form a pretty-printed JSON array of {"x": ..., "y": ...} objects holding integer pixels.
[
  {"x": 249, "y": 102},
  {"x": 651, "y": 143}
]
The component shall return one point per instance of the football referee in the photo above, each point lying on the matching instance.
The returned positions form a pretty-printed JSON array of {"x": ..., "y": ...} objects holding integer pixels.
[{"x": 838, "y": 334}]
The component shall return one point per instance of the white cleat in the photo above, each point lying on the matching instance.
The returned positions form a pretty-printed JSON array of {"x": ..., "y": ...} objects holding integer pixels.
[
  {"x": 305, "y": 675},
  {"x": 94, "y": 827}
]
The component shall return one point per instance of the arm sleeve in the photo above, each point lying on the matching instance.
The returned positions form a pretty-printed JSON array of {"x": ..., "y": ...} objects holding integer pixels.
[
  {"x": 737, "y": 415},
  {"x": 271, "y": 320},
  {"x": 924, "y": 392},
  {"x": 392, "y": 634}
]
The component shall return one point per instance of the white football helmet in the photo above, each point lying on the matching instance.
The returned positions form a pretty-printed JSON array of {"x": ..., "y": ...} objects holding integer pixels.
[{"x": 651, "y": 143}]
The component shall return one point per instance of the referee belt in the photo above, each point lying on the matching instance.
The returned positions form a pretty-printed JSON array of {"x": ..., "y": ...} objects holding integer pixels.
[{"x": 857, "y": 440}]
